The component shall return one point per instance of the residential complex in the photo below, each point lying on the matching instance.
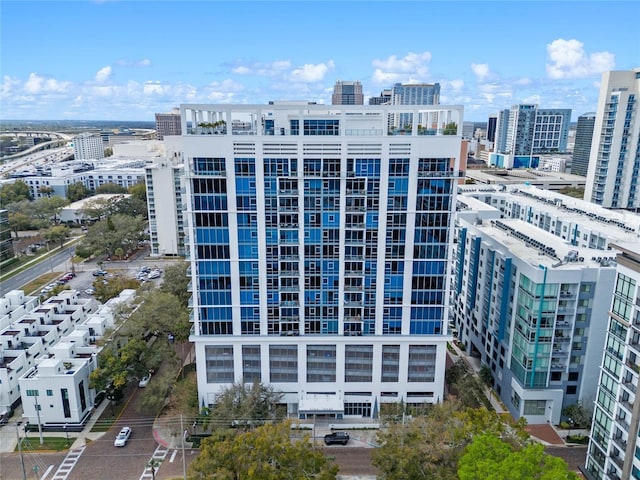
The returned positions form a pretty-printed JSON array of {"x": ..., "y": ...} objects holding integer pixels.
[
  {"x": 165, "y": 189},
  {"x": 525, "y": 303},
  {"x": 613, "y": 446},
  {"x": 88, "y": 146},
  {"x": 526, "y": 131},
  {"x": 582, "y": 146},
  {"x": 532, "y": 267},
  {"x": 347, "y": 93},
  {"x": 48, "y": 350},
  {"x": 122, "y": 172},
  {"x": 614, "y": 163},
  {"x": 320, "y": 241}
]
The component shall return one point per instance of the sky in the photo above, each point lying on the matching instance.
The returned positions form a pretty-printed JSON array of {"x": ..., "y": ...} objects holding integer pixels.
[{"x": 129, "y": 59}]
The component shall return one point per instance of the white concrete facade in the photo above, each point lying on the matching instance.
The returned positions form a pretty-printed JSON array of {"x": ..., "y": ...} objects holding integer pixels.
[
  {"x": 164, "y": 201},
  {"x": 614, "y": 161},
  {"x": 540, "y": 348},
  {"x": 293, "y": 344}
]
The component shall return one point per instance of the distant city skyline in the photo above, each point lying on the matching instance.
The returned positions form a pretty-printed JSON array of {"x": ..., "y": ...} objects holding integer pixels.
[{"x": 128, "y": 60}]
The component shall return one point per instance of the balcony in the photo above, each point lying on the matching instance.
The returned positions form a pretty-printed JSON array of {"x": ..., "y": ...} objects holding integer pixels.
[{"x": 617, "y": 460}]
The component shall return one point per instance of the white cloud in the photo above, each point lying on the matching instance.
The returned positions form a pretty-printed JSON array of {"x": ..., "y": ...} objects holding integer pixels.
[
  {"x": 103, "y": 74},
  {"x": 38, "y": 84},
  {"x": 454, "y": 85},
  {"x": 8, "y": 85},
  {"x": 569, "y": 60},
  {"x": 312, "y": 73},
  {"x": 481, "y": 71},
  {"x": 145, "y": 62},
  {"x": 270, "y": 69},
  {"x": 412, "y": 67}
]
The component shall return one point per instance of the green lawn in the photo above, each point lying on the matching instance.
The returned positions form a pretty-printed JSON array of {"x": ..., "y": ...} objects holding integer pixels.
[{"x": 32, "y": 443}]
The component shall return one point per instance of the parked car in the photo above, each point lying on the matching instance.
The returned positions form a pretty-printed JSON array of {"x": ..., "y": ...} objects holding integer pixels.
[
  {"x": 99, "y": 273},
  {"x": 123, "y": 437},
  {"x": 341, "y": 438},
  {"x": 154, "y": 274},
  {"x": 144, "y": 381},
  {"x": 90, "y": 291}
]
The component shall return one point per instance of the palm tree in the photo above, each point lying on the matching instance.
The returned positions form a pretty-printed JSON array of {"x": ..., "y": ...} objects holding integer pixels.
[{"x": 153, "y": 465}]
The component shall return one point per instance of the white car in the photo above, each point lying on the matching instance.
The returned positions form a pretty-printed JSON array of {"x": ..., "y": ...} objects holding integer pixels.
[
  {"x": 123, "y": 436},
  {"x": 154, "y": 274},
  {"x": 144, "y": 381}
]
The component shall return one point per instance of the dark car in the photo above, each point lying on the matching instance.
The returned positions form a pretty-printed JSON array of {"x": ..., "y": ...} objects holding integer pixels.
[
  {"x": 340, "y": 438},
  {"x": 99, "y": 273}
]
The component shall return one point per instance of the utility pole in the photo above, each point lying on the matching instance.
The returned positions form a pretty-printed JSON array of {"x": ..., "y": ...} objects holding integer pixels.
[
  {"x": 24, "y": 472},
  {"x": 39, "y": 424},
  {"x": 184, "y": 463}
]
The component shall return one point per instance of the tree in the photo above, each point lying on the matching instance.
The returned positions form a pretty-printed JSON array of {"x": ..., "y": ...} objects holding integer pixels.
[
  {"x": 450, "y": 129},
  {"x": 48, "y": 208},
  {"x": 488, "y": 457},
  {"x": 19, "y": 222},
  {"x": 116, "y": 231},
  {"x": 158, "y": 315},
  {"x": 577, "y": 415},
  {"x": 115, "y": 285},
  {"x": 108, "y": 152},
  {"x": 14, "y": 192},
  {"x": 265, "y": 453},
  {"x": 46, "y": 190},
  {"x": 110, "y": 187},
  {"x": 139, "y": 191},
  {"x": 177, "y": 282},
  {"x": 430, "y": 446},
  {"x": 56, "y": 234},
  {"x": 244, "y": 405},
  {"x": 77, "y": 191}
]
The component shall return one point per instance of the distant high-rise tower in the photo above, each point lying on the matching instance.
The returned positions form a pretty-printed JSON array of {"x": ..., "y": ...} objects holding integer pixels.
[
  {"x": 168, "y": 124},
  {"x": 383, "y": 99},
  {"x": 526, "y": 131},
  {"x": 88, "y": 146},
  {"x": 491, "y": 127},
  {"x": 614, "y": 161},
  {"x": 582, "y": 147},
  {"x": 347, "y": 93}
]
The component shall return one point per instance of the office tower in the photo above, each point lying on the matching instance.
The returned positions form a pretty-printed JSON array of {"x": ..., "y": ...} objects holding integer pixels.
[
  {"x": 347, "y": 93},
  {"x": 6, "y": 244},
  {"x": 614, "y": 162},
  {"x": 491, "y": 127},
  {"x": 320, "y": 242},
  {"x": 613, "y": 444},
  {"x": 582, "y": 147},
  {"x": 168, "y": 124},
  {"x": 164, "y": 182},
  {"x": 88, "y": 146}
]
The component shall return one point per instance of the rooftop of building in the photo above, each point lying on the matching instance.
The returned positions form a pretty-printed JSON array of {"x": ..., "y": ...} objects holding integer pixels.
[
  {"x": 617, "y": 225},
  {"x": 522, "y": 175},
  {"x": 537, "y": 247}
]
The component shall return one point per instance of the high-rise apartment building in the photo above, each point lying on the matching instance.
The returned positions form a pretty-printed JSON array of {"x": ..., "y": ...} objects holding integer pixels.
[
  {"x": 320, "y": 241},
  {"x": 582, "y": 146},
  {"x": 347, "y": 93},
  {"x": 491, "y": 127},
  {"x": 614, "y": 162},
  {"x": 164, "y": 182},
  {"x": 88, "y": 146},
  {"x": 526, "y": 131},
  {"x": 383, "y": 99},
  {"x": 613, "y": 445},
  {"x": 168, "y": 124}
]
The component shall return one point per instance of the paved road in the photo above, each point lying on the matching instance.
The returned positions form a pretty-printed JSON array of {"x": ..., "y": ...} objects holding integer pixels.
[
  {"x": 118, "y": 463},
  {"x": 59, "y": 262}
]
